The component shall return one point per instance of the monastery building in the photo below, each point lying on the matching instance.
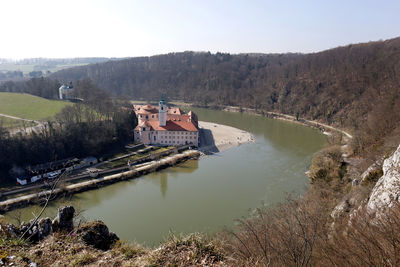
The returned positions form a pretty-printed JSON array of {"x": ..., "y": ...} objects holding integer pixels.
[{"x": 165, "y": 126}]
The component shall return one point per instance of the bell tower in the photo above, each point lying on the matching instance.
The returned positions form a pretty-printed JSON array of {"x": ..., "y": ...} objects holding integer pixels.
[{"x": 162, "y": 110}]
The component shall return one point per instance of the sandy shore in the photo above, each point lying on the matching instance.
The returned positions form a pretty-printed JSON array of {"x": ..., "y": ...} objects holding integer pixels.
[{"x": 217, "y": 137}]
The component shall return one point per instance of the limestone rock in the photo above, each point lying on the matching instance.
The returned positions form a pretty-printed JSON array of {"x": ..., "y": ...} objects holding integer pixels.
[
  {"x": 64, "y": 219},
  {"x": 37, "y": 231},
  {"x": 11, "y": 230},
  {"x": 340, "y": 209},
  {"x": 45, "y": 226},
  {"x": 373, "y": 168},
  {"x": 96, "y": 234},
  {"x": 387, "y": 190}
]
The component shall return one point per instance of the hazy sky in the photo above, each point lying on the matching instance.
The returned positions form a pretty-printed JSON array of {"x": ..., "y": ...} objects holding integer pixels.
[{"x": 119, "y": 28}]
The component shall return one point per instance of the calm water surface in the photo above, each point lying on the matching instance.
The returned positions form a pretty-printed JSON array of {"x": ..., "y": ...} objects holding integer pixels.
[{"x": 207, "y": 194}]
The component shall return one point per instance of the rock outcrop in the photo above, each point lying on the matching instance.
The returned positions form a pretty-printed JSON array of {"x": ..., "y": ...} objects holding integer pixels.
[
  {"x": 65, "y": 219},
  {"x": 96, "y": 234},
  {"x": 387, "y": 190}
]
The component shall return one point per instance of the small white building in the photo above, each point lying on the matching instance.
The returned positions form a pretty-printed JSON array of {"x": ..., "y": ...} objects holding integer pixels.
[{"x": 66, "y": 92}]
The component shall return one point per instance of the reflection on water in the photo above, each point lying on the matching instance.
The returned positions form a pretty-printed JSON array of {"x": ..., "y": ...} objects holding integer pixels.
[
  {"x": 205, "y": 194},
  {"x": 161, "y": 178}
]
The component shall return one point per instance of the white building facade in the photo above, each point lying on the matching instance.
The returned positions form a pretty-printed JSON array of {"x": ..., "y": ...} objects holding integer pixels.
[{"x": 165, "y": 126}]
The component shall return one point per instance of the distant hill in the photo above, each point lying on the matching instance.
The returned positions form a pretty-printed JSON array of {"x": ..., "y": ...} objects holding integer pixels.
[{"x": 37, "y": 67}]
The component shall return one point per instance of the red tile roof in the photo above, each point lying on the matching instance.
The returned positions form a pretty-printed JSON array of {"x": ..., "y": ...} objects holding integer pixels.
[
  {"x": 147, "y": 109},
  {"x": 177, "y": 120},
  {"x": 176, "y": 111},
  {"x": 171, "y": 125}
]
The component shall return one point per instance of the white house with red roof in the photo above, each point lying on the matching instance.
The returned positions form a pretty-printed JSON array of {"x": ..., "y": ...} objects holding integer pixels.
[{"x": 165, "y": 126}]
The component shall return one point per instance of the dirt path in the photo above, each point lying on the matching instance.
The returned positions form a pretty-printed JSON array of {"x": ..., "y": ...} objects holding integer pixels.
[
  {"x": 320, "y": 124},
  {"x": 39, "y": 125},
  {"x": 16, "y": 118},
  {"x": 291, "y": 118}
]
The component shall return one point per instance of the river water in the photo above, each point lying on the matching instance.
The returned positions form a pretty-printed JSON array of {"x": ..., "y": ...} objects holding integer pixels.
[{"x": 208, "y": 194}]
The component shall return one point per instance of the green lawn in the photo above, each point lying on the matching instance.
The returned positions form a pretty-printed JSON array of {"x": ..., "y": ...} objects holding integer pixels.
[
  {"x": 13, "y": 123},
  {"x": 29, "y": 106}
]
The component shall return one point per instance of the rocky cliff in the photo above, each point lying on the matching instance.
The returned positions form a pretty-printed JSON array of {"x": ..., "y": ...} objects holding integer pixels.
[{"x": 387, "y": 189}]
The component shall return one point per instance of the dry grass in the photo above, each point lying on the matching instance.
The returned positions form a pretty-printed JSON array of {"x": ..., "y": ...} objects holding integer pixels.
[
  {"x": 190, "y": 250},
  {"x": 68, "y": 250}
]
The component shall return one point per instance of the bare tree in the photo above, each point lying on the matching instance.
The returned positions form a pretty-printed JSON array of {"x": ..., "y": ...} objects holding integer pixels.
[{"x": 286, "y": 235}]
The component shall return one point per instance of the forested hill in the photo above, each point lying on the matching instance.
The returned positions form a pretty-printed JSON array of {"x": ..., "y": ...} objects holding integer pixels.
[
  {"x": 192, "y": 76},
  {"x": 355, "y": 86}
]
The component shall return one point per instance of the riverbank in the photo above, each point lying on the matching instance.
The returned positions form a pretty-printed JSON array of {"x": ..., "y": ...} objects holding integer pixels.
[
  {"x": 217, "y": 137},
  {"x": 280, "y": 116},
  {"x": 155, "y": 165},
  {"x": 324, "y": 128}
]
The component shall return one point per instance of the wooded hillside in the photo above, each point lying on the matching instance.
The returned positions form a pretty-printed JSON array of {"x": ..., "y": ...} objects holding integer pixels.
[{"x": 355, "y": 87}]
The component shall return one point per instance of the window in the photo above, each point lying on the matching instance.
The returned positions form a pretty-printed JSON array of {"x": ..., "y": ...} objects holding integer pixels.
[
  {"x": 144, "y": 129},
  {"x": 152, "y": 116},
  {"x": 147, "y": 117}
]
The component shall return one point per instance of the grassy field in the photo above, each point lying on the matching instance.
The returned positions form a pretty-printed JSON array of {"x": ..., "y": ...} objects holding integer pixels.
[
  {"x": 29, "y": 106},
  {"x": 13, "y": 123}
]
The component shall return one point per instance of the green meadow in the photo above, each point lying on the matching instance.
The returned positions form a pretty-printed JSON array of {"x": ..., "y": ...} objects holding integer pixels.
[{"x": 30, "y": 107}]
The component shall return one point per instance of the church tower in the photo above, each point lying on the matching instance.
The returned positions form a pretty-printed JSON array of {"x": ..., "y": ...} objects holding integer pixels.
[{"x": 162, "y": 110}]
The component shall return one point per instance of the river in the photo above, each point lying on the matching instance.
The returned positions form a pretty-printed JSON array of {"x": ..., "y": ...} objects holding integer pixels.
[{"x": 208, "y": 194}]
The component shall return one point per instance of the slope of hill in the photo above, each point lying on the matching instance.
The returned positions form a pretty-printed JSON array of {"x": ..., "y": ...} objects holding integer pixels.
[{"x": 29, "y": 107}]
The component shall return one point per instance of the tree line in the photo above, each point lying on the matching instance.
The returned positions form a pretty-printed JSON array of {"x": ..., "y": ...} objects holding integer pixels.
[{"x": 10, "y": 75}]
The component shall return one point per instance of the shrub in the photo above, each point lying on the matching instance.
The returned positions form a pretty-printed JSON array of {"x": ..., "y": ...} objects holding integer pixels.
[
  {"x": 373, "y": 176},
  {"x": 286, "y": 235},
  {"x": 366, "y": 241},
  {"x": 327, "y": 165}
]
